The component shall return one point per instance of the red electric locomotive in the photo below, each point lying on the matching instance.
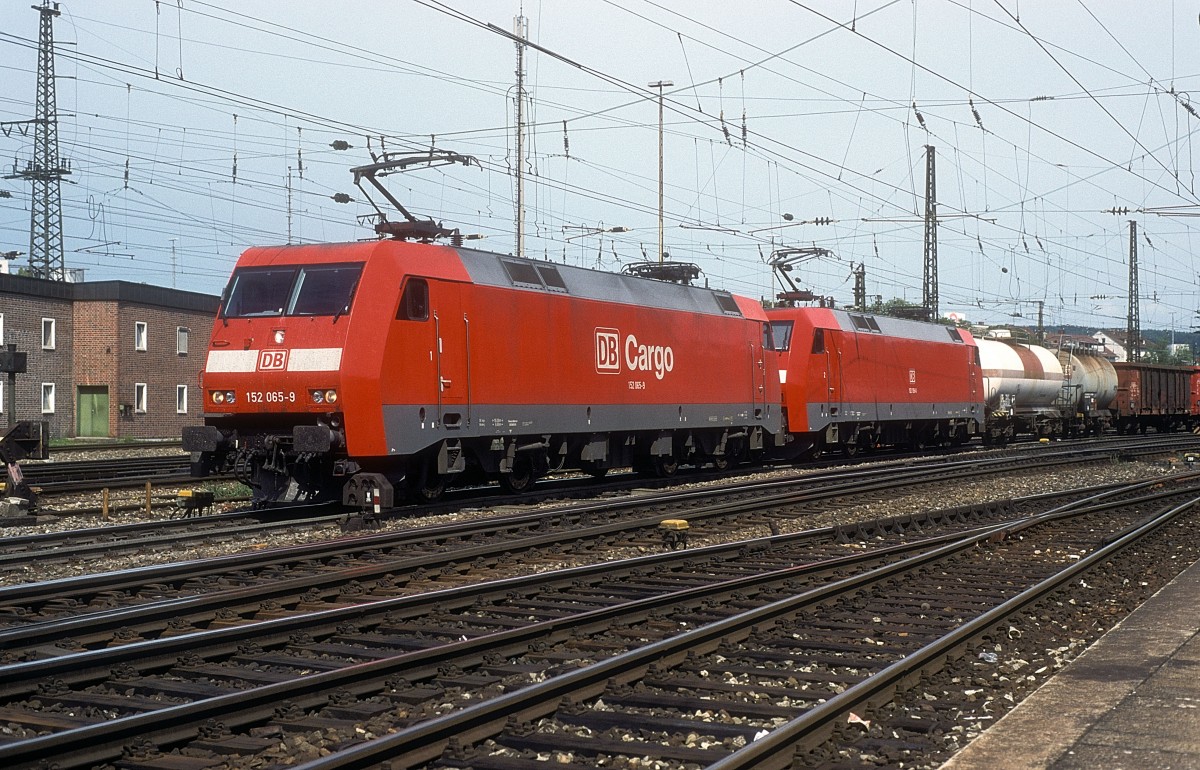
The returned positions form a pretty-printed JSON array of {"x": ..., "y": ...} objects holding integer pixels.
[
  {"x": 338, "y": 370},
  {"x": 856, "y": 380}
]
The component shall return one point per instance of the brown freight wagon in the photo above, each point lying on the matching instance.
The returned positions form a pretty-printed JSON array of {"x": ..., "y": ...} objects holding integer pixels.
[{"x": 1152, "y": 396}]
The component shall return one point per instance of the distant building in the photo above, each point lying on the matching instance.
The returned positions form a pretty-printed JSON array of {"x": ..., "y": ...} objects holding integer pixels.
[
  {"x": 1083, "y": 343},
  {"x": 106, "y": 359},
  {"x": 1182, "y": 350},
  {"x": 1114, "y": 342}
]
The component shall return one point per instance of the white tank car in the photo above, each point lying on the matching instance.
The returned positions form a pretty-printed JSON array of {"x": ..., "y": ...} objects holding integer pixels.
[
  {"x": 1021, "y": 385},
  {"x": 1027, "y": 375},
  {"x": 1089, "y": 390},
  {"x": 1090, "y": 378}
]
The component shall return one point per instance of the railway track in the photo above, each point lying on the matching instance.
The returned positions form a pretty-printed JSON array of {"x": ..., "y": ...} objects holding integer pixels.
[
  {"x": 93, "y": 609},
  {"x": 728, "y": 656},
  {"x": 114, "y": 446},
  {"x": 104, "y": 541},
  {"x": 54, "y": 477}
]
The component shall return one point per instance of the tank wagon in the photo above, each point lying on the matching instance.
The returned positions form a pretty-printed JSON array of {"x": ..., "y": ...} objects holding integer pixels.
[
  {"x": 1032, "y": 390},
  {"x": 1021, "y": 383},
  {"x": 852, "y": 381},
  {"x": 1089, "y": 389},
  {"x": 340, "y": 371}
]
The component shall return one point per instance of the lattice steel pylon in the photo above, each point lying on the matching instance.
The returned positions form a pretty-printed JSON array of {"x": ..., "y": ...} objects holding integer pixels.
[
  {"x": 929, "y": 282},
  {"x": 1133, "y": 320},
  {"x": 45, "y": 171}
]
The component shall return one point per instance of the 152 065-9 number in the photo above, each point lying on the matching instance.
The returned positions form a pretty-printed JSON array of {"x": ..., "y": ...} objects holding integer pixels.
[{"x": 271, "y": 397}]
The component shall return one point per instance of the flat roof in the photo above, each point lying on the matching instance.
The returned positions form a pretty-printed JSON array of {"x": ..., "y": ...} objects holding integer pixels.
[{"x": 110, "y": 291}]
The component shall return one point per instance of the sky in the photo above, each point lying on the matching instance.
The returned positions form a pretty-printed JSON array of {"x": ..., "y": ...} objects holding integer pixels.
[{"x": 195, "y": 130}]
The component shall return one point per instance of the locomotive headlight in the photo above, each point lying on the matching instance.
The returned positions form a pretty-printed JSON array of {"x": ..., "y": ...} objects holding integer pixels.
[
  {"x": 218, "y": 397},
  {"x": 229, "y": 397},
  {"x": 318, "y": 396},
  {"x": 279, "y": 336},
  {"x": 331, "y": 396}
]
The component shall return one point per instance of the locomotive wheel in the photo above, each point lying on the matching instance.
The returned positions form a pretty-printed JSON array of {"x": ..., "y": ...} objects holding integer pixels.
[
  {"x": 720, "y": 462},
  {"x": 430, "y": 490},
  {"x": 665, "y": 465},
  {"x": 427, "y": 484},
  {"x": 850, "y": 448},
  {"x": 521, "y": 478}
]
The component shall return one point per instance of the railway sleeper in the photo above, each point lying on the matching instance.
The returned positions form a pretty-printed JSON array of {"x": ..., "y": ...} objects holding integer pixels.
[
  {"x": 651, "y": 721},
  {"x": 528, "y": 739}
]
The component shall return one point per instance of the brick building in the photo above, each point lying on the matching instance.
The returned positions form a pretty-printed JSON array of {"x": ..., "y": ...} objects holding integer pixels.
[{"x": 108, "y": 358}]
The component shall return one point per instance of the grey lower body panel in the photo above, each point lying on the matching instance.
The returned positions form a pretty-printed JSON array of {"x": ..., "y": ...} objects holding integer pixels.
[
  {"x": 821, "y": 416},
  {"x": 407, "y": 432}
]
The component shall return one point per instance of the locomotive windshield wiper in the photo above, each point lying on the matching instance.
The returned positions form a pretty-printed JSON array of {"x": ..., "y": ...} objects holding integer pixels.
[{"x": 346, "y": 308}]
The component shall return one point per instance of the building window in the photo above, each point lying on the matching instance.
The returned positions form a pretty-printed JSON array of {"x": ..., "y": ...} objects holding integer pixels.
[
  {"x": 1, "y": 328},
  {"x": 48, "y": 335},
  {"x": 181, "y": 340},
  {"x": 181, "y": 399},
  {"x": 139, "y": 335},
  {"x": 47, "y": 398},
  {"x": 139, "y": 397},
  {"x": 3, "y": 403}
]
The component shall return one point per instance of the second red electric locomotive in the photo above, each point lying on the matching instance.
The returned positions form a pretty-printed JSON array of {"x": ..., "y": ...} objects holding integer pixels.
[{"x": 856, "y": 380}]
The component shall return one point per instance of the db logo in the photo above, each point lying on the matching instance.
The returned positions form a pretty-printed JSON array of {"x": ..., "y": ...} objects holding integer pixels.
[
  {"x": 272, "y": 360},
  {"x": 912, "y": 376},
  {"x": 608, "y": 350}
]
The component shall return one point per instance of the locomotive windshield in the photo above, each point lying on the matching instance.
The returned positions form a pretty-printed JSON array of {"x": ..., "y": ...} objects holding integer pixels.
[
  {"x": 296, "y": 290},
  {"x": 781, "y": 333}
]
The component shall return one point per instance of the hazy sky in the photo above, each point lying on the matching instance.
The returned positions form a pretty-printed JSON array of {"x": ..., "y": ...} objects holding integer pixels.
[{"x": 183, "y": 120}]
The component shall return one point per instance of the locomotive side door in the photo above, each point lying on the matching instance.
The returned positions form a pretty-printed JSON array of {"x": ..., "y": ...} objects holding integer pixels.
[
  {"x": 826, "y": 360},
  {"x": 758, "y": 376},
  {"x": 451, "y": 354}
]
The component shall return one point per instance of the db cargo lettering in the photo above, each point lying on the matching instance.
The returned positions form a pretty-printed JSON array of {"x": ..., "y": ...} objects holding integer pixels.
[{"x": 648, "y": 358}]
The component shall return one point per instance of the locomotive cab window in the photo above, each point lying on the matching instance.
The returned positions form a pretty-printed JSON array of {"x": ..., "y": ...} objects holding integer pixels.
[
  {"x": 781, "y": 334},
  {"x": 324, "y": 289},
  {"x": 258, "y": 292},
  {"x": 293, "y": 290},
  {"x": 414, "y": 301},
  {"x": 818, "y": 345}
]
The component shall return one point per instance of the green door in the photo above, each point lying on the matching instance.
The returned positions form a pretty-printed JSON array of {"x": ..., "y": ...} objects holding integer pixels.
[{"x": 93, "y": 411}]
